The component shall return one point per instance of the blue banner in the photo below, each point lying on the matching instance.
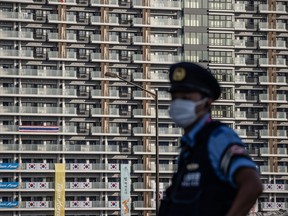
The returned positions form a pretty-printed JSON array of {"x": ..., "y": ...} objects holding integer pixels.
[
  {"x": 8, "y": 204},
  {"x": 9, "y": 184},
  {"x": 9, "y": 166}
]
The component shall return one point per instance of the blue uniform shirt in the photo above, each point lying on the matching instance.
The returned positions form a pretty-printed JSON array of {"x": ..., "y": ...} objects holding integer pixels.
[{"x": 219, "y": 141}]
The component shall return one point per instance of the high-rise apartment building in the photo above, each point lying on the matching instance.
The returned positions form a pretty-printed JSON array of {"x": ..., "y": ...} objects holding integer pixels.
[{"x": 57, "y": 106}]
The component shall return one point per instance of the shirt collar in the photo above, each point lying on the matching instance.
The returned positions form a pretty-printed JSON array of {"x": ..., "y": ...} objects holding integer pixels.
[{"x": 189, "y": 138}]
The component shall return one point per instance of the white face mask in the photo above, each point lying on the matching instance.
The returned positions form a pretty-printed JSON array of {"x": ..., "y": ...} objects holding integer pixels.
[{"x": 183, "y": 112}]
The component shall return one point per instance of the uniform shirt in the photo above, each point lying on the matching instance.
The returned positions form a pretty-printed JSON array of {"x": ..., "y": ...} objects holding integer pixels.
[{"x": 220, "y": 140}]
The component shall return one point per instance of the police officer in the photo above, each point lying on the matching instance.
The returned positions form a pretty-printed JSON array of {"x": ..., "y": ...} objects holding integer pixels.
[{"x": 215, "y": 175}]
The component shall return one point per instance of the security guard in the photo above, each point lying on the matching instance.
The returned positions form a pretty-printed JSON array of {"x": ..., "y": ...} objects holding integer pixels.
[{"x": 215, "y": 175}]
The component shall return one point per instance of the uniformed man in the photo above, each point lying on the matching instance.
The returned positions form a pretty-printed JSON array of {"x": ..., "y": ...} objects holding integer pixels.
[{"x": 215, "y": 175}]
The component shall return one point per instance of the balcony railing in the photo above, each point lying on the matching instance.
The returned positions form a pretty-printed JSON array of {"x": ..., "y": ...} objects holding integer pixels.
[
  {"x": 93, "y": 185},
  {"x": 97, "y": 93},
  {"x": 264, "y": 8},
  {"x": 265, "y": 62},
  {"x": 162, "y": 132},
  {"x": 163, "y": 41},
  {"x": 280, "y": 98},
  {"x": 97, "y": 38},
  {"x": 279, "y": 44},
  {"x": 158, "y": 22},
  {"x": 280, "y": 116},
  {"x": 69, "y": 56},
  {"x": 69, "y": 37},
  {"x": 96, "y": 20},
  {"x": 158, "y": 4},
  {"x": 156, "y": 59},
  {"x": 113, "y": 131},
  {"x": 55, "y": 18},
  {"x": 52, "y": 92},
  {"x": 29, "y": 73},
  {"x": 106, "y": 3},
  {"x": 98, "y": 57},
  {"x": 16, "y": 35},
  {"x": 264, "y": 26},
  {"x": 174, "y": 150},
  {"x": 281, "y": 134},
  {"x": 66, "y": 2},
  {"x": 38, "y": 110},
  {"x": 16, "y": 16},
  {"x": 164, "y": 168},
  {"x": 18, "y": 54},
  {"x": 11, "y": 129},
  {"x": 279, "y": 80}
]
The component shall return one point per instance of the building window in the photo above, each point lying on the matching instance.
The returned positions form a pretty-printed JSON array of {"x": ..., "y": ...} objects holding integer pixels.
[
  {"x": 220, "y": 21},
  {"x": 195, "y": 3},
  {"x": 195, "y": 20},
  {"x": 196, "y": 38}
]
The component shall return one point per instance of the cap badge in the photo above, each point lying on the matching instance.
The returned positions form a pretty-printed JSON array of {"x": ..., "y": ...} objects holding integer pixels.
[{"x": 179, "y": 74}]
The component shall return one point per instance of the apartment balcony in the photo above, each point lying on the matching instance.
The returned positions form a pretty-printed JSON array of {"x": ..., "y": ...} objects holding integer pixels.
[
  {"x": 280, "y": 9},
  {"x": 239, "y": 79},
  {"x": 93, "y": 186},
  {"x": 66, "y": 56},
  {"x": 280, "y": 80},
  {"x": 239, "y": 115},
  {"x": 93, "y": 167},
  {"x": 69, "y": 205},
  {"x": 105, "y": 3},
  {"x": 16, "y": 35},
  {"x": 158, "y": 4},
  {"x": 140, "y": 186},
  {"x": 275, "y": 188},
  {"x": 150, "y": 150},
  {"x": 239, "y": 97},
  {"x": 111, "y": 21},
  {"x": 38, "y": 92},
  {"x": 265, "y": 98},
  {"x": 55, "y": 37},
  {"x": 273, "y": 206},
  {"x": 38, "y": 111},
  {"x": 281, "y": 116},
  {"x": 16, "y": 17},
  {"x": 22, "y": 1},
  {"x": 141, "y": 95},
  {"x": 265, "y": 62},
  {"x": 157, "y": 41},
  {"x": 99, "y": 112},
  {"x": 141, "y": 206},
  {"x": 16, "y": 54},
  {"x": 158, "y": 23},
  {"x": 241, "y": 133},
  {"x": 281, "y": 134},
  {"x": 156, "y": 59},
  {"x": 165, "y": 132},
  {"x": 33, "y": 73},
  {"x": 265, "y": 26},
  {"x": 140, "y": 113},
  {"x": 37, "y": 186},
  {"x": 15, "y": 129},
  {"x": 280, "y": 152},
  {"x": 55, "y": 18},
  {"x": 91, "y": 149},
  {"x": 266, "y": 170},
  {"x": 152, "y": 77},
  {"x": 264, "y": 44},
  {"x": 112, "y": 94},
  {"x": 98, "y": 57},
  {"x": 111, "y": 39},
  {"x": 66, "y": 2},
  {"x": 242, "y": 61},
  {"x": 151, "y": 168},
  {"x": 93, "y": 205},
  {"x": 111, "y": 131}
]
